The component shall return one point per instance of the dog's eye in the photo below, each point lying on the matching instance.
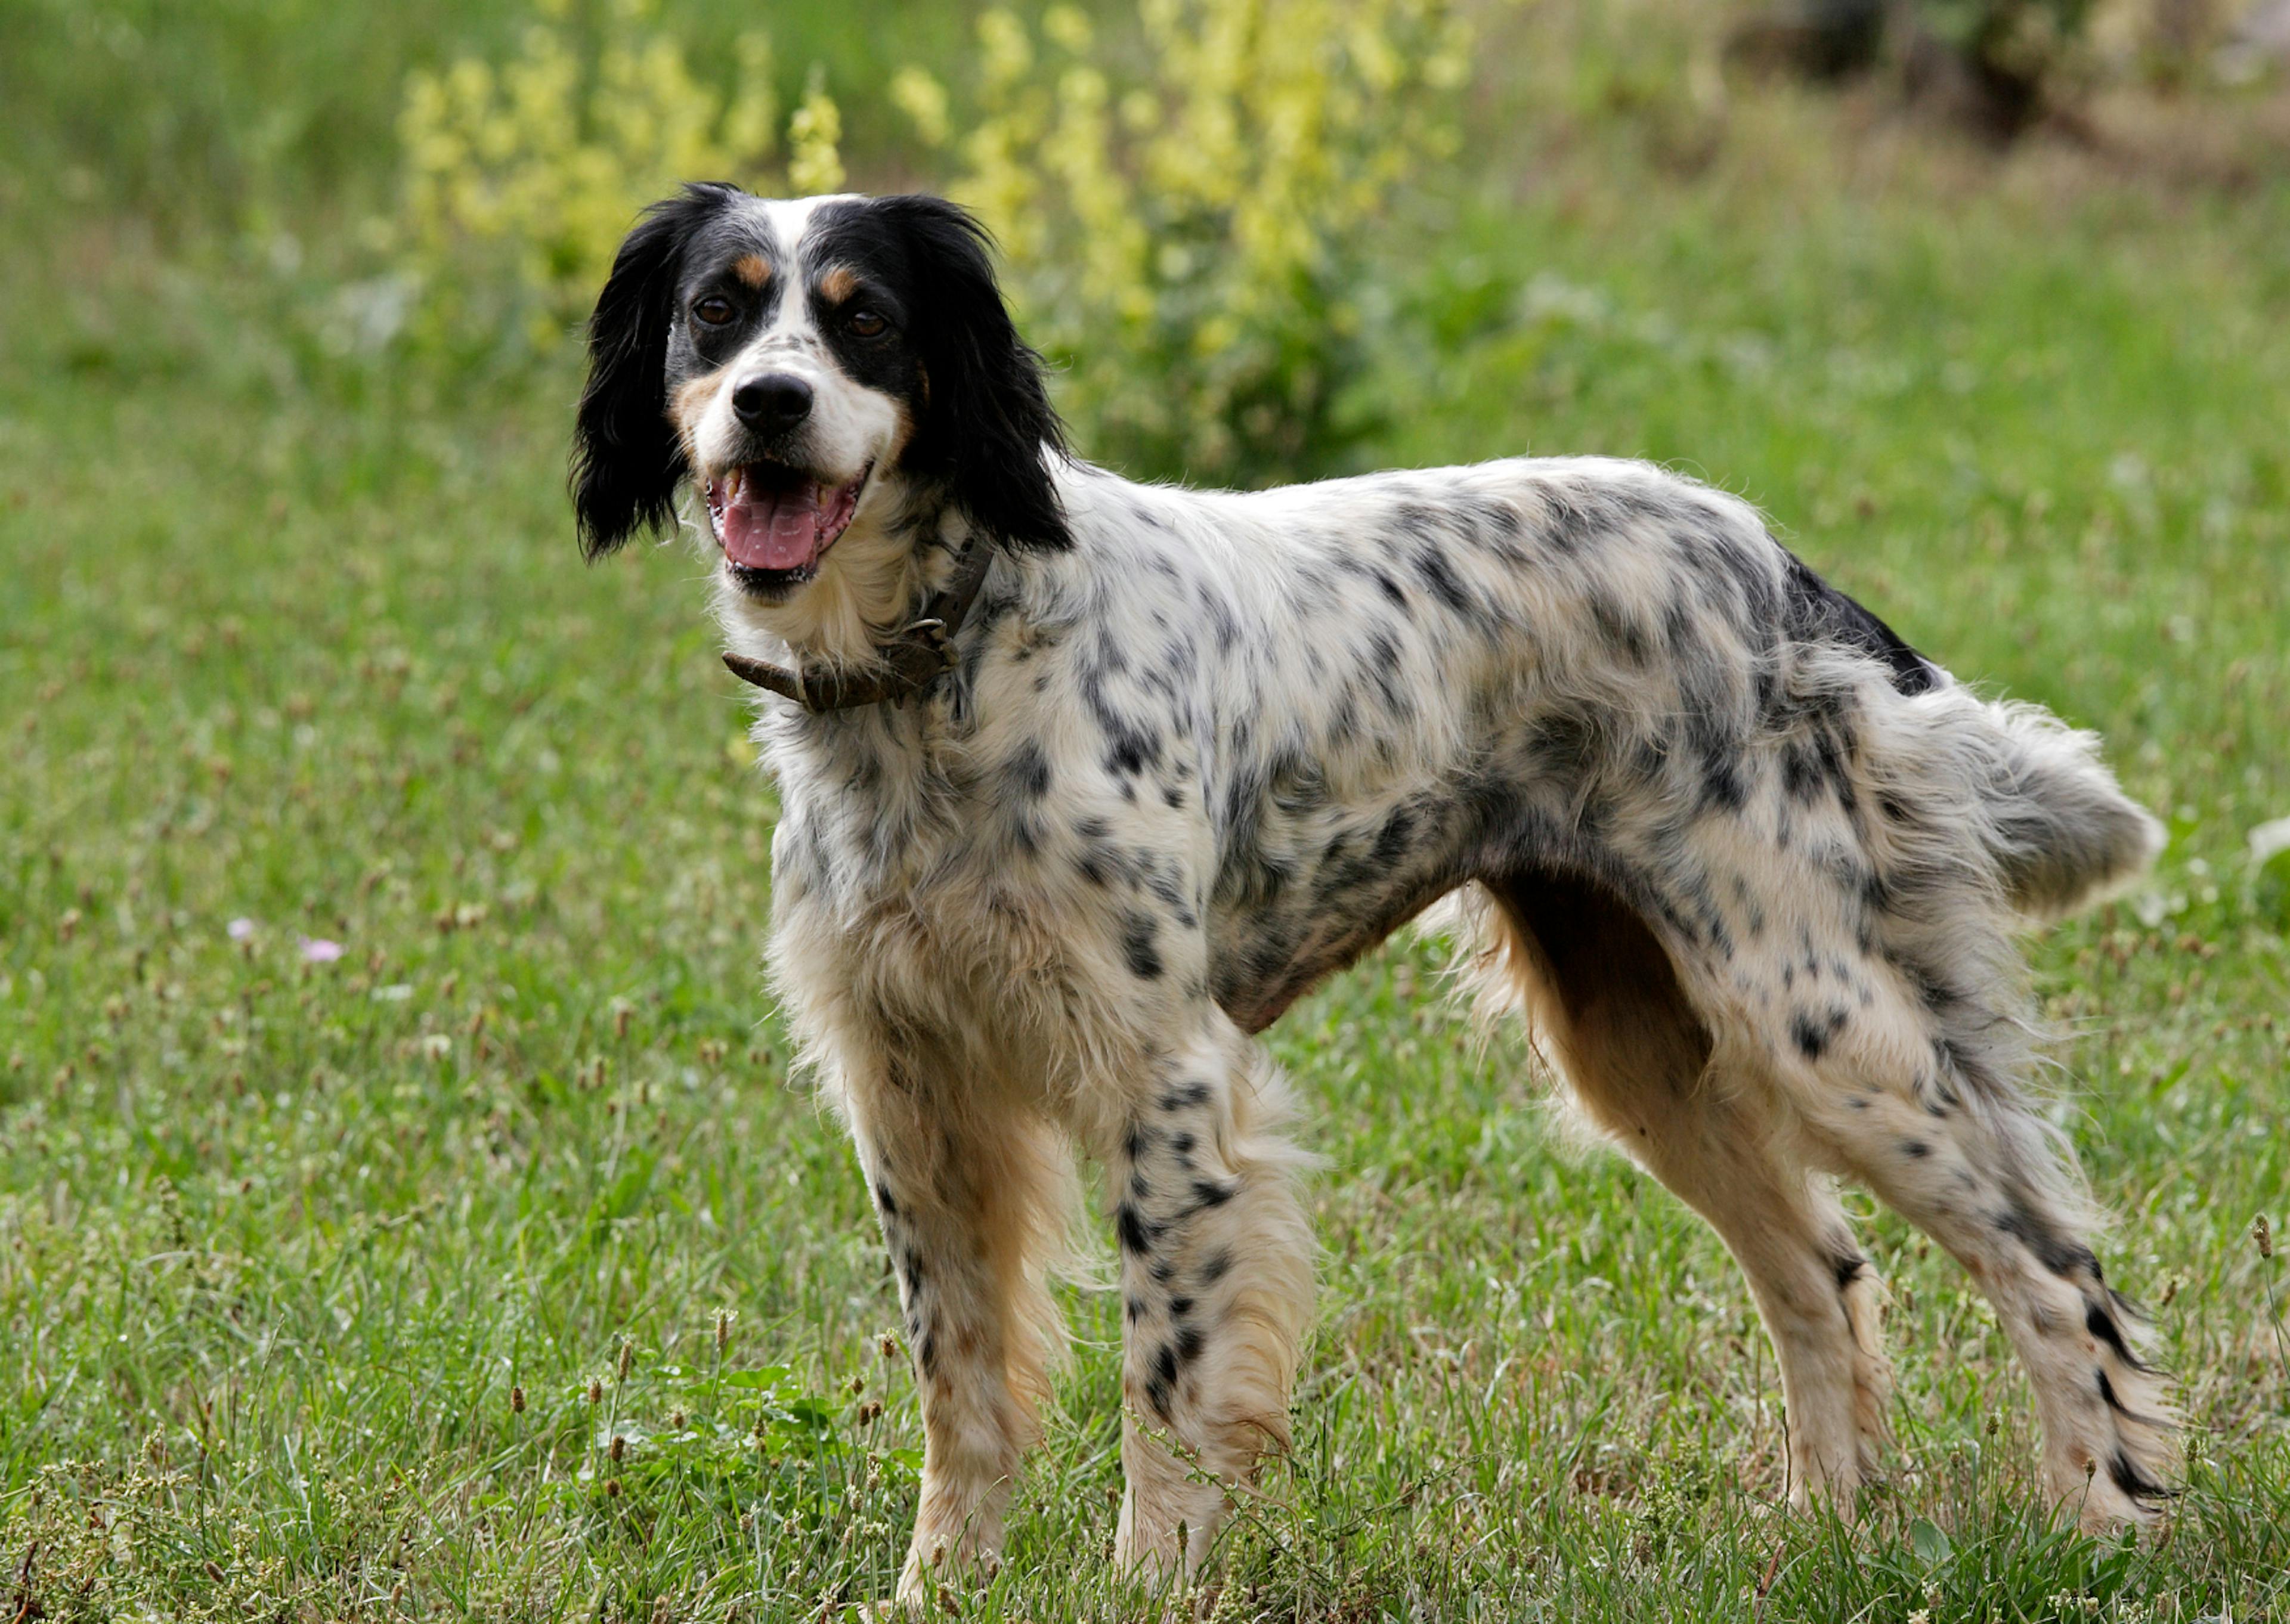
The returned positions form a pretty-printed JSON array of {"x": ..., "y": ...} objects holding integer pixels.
[
  {"x": 866, "y": 323},
  {"x": 713, "y": 311}
]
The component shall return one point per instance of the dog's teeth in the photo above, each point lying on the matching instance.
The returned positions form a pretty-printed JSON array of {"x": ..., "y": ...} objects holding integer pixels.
[{"x": 731, "y": 485}]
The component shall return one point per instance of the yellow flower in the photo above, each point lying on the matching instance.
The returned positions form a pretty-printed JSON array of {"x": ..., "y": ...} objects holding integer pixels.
[
  {"x": 813, "y": 134},
  {"x": 1165, "y": 212},
  {"x": 923, "y": 100},
  {"x": 1176, "y": 218},
  {"x": 754, "y": 113},
  {"x": 1068, "y": 26},
  {"x": 1009, "y": 53}
]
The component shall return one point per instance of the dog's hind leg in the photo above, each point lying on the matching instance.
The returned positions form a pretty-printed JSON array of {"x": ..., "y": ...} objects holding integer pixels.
[
  {"x": 972, "y": 1202},
  {"x": 1966, "y": 1159},
  {"x": 1216, "y": 1289},
  {"x": 1607, "y": 1012}
]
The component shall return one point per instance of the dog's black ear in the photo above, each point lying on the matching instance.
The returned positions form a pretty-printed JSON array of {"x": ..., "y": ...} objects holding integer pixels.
[
  {"x": 625, "y": 458},
  {"x": 988, "y": 428}
]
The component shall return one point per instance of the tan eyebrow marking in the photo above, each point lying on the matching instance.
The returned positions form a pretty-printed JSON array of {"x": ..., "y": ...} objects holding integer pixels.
[
  {"x": 752, "y": 268},
  {"x": 839, "y": 284}
]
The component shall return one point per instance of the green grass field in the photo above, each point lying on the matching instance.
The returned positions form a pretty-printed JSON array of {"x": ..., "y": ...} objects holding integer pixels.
[{"x": 326, "y": 1287}]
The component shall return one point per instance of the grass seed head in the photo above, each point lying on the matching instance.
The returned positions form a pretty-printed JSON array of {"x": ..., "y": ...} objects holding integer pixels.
[
  {"x": 516, "y": 1401},
  {"x": 2263, "y": 1233}
]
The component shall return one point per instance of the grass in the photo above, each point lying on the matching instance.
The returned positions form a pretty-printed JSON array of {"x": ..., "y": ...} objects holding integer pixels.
[{"x": 324, "y": 1287}]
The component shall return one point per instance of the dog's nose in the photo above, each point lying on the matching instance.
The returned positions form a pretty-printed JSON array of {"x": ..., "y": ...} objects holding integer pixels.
[{"x": 772, "y": 402}]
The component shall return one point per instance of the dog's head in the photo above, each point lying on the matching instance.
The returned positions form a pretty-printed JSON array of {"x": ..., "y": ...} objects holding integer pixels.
[{"x": 820, "y": 367}]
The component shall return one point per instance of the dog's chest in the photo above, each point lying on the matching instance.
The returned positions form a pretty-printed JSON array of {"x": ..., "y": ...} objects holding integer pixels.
[{"x": 936, "y": 894}]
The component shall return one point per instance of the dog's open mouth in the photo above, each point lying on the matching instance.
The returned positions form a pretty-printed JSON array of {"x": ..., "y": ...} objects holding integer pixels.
[{"x": 770, "y": 516}]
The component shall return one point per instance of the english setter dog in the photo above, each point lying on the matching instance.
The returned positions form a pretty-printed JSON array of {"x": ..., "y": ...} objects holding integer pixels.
[{"x": 1084, "y": 781}]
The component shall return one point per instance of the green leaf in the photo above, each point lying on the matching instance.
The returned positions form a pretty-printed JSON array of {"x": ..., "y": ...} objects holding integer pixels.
[{"x": 1932, "y": 1546}]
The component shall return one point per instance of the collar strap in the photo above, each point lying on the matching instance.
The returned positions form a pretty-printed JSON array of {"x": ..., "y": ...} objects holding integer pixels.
[{"x": 906, "y": 666}]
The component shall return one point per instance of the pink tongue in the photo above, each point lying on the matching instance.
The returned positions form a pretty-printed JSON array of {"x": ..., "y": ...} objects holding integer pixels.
[{"x": 773, "y": 529}]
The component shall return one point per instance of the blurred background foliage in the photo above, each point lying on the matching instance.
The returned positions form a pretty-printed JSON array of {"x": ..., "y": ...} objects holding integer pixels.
[
  {"x": 1187, "y": 206},
  {"x": 1207, "y": 204},
  {"x": 521, "y": 181}
]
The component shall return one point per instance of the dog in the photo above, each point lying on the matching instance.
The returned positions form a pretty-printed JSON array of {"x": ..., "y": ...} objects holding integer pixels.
[{"x": 1084, "y": 781}]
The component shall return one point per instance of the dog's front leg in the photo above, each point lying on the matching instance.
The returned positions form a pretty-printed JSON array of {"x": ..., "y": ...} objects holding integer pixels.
[
  {"x": 1216, "y": 1291},
  {"x": 970, "y": 1202}
]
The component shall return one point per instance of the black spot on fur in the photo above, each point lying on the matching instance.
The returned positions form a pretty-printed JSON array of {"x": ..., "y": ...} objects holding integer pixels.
[
  {"x": 1722, "y": 787},
  {"x": 1916, "y": 1147},
  {"x": 1137, "y": 947},
  {"x": 1618, "y": 627},
  {"x": 1161, "y": 1384},
  {"x": 2064, "y": 1258},
  {"x": 2102, "y": 1324},
  {"x": 1129, "y": 1223},
  {"x": 1218, "y": 1265},
  {"x": 1801, "y": 774},
  {"x": 1849, "y": 1268},
  {"x": 1432, "y": 567},
  {"x": 1132, "y": 751},
  {"x": 1189, "y": 1343},
  {"x": 1028, "y": 772},
  {"x": 1819, "y": 611},
  {"x": 1206, "y": 1194},
  {"x": 2134, "y": 1482},
  {"x": 1813, "y": 1036}
]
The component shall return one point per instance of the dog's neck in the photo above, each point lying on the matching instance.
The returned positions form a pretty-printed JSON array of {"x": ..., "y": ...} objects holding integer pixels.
[
  {"x": 906, "y": 668},
  {"x": 878, "y": 622}
]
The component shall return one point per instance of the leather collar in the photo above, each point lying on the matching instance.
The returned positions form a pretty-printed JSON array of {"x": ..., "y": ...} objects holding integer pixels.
[{"x": 907, "y": 665}]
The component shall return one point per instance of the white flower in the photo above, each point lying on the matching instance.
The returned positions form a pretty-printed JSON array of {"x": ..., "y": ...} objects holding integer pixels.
[{"x": 2268, "y": 838}]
